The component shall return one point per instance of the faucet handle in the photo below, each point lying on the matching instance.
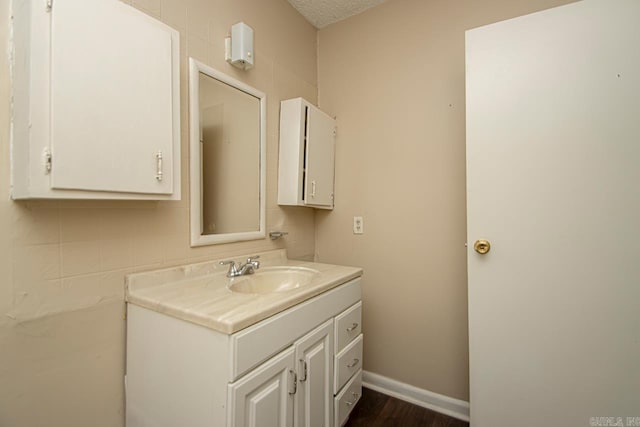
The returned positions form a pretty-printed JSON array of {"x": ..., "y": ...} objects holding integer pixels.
[
  {"x": 253, "y": 261},
  {"x": 232, "y": 267}
]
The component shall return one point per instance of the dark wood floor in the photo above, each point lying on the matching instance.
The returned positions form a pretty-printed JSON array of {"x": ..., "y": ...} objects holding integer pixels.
[{"x": 377, "y": 410}]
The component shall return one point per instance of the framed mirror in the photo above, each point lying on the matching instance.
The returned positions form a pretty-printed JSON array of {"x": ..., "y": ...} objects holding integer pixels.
[{"x": 227, "y": 132}]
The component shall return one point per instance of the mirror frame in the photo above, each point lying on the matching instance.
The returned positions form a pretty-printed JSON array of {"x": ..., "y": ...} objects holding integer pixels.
[{"x": 195, "y": 158}]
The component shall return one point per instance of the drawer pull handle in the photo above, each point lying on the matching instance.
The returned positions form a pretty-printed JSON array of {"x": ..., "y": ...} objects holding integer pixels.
[
  {"x": 354, "y": 363},
  {"x": 355, "y": 399},
  {"x": 352, "y": 327}
]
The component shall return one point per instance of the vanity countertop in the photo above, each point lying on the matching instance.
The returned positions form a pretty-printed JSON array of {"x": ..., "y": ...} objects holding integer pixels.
[{"x": 199, "y": 293}]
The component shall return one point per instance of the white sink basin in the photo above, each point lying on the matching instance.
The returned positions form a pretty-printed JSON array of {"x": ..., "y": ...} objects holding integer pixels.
[{"x": 273, "y": 279}]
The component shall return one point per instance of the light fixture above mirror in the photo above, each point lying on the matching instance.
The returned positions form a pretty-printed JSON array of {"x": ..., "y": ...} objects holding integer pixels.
[{"x": 239, "y": 46}]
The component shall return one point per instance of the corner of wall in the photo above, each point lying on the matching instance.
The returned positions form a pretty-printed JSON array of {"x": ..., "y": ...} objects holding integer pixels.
[{"x": 318, "y": 67}]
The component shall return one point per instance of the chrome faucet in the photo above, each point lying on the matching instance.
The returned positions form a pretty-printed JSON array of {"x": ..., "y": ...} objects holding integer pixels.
[{"x": 236, "y": 270}]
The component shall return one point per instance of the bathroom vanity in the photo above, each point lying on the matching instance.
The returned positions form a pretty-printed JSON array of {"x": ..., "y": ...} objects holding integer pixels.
[{"x": 281, "y": 347}]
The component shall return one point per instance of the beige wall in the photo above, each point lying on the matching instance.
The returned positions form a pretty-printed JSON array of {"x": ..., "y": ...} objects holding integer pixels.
[
  {"x": 394, "y": 76},
  {"x": 62, "y": 263}
]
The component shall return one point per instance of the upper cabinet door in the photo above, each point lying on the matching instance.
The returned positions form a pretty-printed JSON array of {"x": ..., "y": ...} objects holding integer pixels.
[
  {"x": 320, "y": 155},
  {"x": 307, "y": 154},
  {"x": 96, "y": 102},
  {"x": 112, "y": 116}
]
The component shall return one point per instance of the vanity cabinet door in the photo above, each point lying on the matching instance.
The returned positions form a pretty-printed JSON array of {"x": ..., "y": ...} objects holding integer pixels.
[
  {"x": 314, "y": 359},
  {"x": 265, "y": 396}
]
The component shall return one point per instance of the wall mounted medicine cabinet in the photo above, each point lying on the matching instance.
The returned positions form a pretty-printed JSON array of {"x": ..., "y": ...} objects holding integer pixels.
[
  {"x": 96, "y": 103},
  {"x": 307, "y": 154}
]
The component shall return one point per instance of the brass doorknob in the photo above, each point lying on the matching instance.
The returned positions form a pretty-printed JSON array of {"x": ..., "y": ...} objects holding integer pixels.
[{"x": 482, "y": 246}]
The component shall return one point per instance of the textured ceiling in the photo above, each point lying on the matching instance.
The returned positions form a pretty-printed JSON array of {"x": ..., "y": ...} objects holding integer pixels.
[{"x": 325, "y": 12}]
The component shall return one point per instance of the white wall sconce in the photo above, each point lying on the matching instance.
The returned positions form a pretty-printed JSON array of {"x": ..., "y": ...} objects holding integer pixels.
[{"x": 239, "y": 47}]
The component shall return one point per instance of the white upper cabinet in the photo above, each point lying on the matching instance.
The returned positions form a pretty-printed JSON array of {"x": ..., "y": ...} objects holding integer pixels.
[
  {"x": 96, "y": 102},
  {"x": 307, "y": 155}
]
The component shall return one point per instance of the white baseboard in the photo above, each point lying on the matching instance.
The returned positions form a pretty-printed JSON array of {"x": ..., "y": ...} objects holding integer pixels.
[{"x": 427, "y": 399}]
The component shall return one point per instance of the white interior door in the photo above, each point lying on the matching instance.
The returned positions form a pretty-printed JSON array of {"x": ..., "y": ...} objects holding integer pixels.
[
  {"x": 105, "y": 54},
  {"x": 553, "y": 182}
]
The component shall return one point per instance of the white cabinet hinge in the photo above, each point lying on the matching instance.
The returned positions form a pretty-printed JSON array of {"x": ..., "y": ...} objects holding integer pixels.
[
  {"x": 47, "y": 161},
  {"x": 49, "y": 4}
]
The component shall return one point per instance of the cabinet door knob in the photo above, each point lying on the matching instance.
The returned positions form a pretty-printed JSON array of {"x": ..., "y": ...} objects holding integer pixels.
[{"x": 352, "y": 327}]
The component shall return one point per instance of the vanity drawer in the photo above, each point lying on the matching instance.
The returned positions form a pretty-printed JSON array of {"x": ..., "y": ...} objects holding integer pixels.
[
  {"x": 347, "y": 363},
  {"x": 347, "y": 399},
  {"x": 257, "y": 343},
  {"x": 348, "y": 326}
]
